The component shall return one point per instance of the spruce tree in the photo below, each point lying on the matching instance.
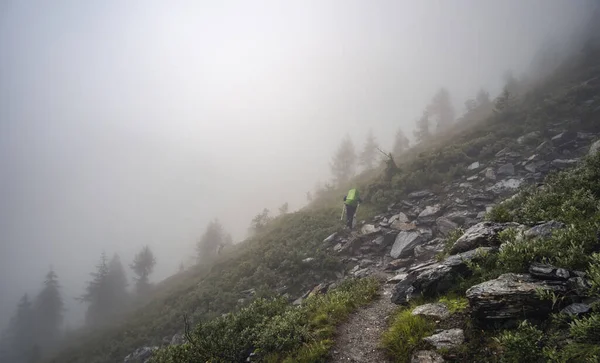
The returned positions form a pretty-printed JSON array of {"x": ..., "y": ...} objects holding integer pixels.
[
  {"x": 441, "y": 109},
  {"x": 368, "y": 155},
  {"x": 116, "y": 280},
  {"x": 422, "y": 132},
  {"x": 142, "y": 266},
  {"x": 343, "y": 164},
  {"x": 284, "y": 208},
  {"x": 209, "y": 243},
  {"x": 401, "y": 143},
  {"x": 49, "y": 310},
  {"x": 18, "y": 342}
]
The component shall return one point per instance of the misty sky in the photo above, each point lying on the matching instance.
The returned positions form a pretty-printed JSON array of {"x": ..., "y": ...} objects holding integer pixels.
[{"x": 124, "y": 123}]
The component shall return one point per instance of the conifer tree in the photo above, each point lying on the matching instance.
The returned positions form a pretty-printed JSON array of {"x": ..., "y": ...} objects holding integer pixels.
[
  {"x": 422, "y": 132},
  {"x": 284, "y": 208},
  {"x": 368, "y": 155},
  {"x": 116, "y": 280},
  {"x": 343, "y": 164},
  {"x": 97, "y": 295},
  {"x": 441, "y": 109},
  {"x": 48, "y": 312},
  {"x": 18, "y": 342},
  {"x": 209, "y": 243},
  {"x": 401, "y": 143},
  {"x": 142, "y": 266}
]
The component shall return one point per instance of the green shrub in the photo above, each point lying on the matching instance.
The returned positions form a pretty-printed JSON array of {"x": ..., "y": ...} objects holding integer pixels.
[
  {"x": 522, "y": 345},
  {"x": 455, "y": 303},
  {"x": 405, "y": 335},
  {"x": 586, "y": 329}
]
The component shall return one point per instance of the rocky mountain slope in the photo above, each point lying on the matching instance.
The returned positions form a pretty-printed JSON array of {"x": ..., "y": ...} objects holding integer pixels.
[{"x": 476, "y": 250}]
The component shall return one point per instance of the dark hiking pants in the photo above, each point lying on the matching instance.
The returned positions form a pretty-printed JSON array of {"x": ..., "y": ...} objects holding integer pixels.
[{"x": 350, "y": 210}]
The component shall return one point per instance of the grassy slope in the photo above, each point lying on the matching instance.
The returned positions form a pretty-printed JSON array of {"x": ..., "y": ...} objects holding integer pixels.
[{"x": 275, "y": 256}]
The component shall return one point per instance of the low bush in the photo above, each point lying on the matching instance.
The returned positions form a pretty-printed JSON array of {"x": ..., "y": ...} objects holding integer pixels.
[{"x": 405, "y": 335}]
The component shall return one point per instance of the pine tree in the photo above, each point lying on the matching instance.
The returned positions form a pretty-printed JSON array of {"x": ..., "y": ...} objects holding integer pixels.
[
  {"x": 209, "y": 243},
  {"x": 422, "y": 132},
  {"x": 401, "y": 143},
  {"x": 49, "y": 309},
  {"x": 97, "y": 295},
  {"x": 260, "y": 221},
  {"x": 18, "y": 343},
  {"x": 142, "y": 266},
  {"x": 483, "y": 99},
  {"x": 344, "y": 162},
  {"x": 284, "y": 208},
  {"x": 369, "y": 153},
  {"x": 116, "y": 280},
  {"x": 441, "y": 108}
]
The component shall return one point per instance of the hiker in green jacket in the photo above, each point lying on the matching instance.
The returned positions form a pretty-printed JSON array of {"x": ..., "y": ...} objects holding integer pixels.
[{"x": 351, "y": 202}]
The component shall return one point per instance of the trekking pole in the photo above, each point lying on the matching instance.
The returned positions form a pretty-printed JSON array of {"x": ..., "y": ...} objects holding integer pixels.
[{"x": 343, "y": 211}]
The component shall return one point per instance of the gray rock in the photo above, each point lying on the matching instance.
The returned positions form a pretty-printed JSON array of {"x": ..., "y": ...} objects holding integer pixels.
[
  {"x": 178, "y": 339},
  {"x": 369, "y": 229},
  {"x": 502, "y": 152},
  {"x": 430, "y": 279},
  {"x": 426, "y": 356},
  {"x": 447, "y": 339},
  {"x": 429, "y": 214},
  {"x": 445, "y": 225},
  {"x": 512, "y": 296},
  {"x": 507, "y": 185},
  {"x": 544, "y": 230},
  {"x": 528, "y": 137},
  {"x": 436, "y": 310},
  {"x": 298, "y": 301},
  {"x": 544, "y": 147},
  {"x": 400, "y": 217},
  {"x": 331, "y": 238},
  {"x": 429, "y": 249},
  {"x": 366, "y": 262},
  {"x": 420, "y": 194},
  {"x": 506, "y": 169},
  {"x": 548, "y": 272},
  {"x": 472, "y": 178},
  {"x": 397, "y": 278},
  {"x": 490, "y": 174},
  {"x": 483, "y": 234},
  {"x": 474, "y": 166},
  {"x": 361, "y": 273},
  {"x": 576, "y": 309},
  {"x": 308, "y": 260},
  {"x": 563, "y": 163},
  {"x": 465, "y": 185},
  {"x": 458, "y": 217},
  {"x": 405, "y": 243},
  {"x": 530, "y": 167},
  {"x": 594, "y": 148},
  {"x": 338, "y": 247},
  {"x": 140, "y": 355}
]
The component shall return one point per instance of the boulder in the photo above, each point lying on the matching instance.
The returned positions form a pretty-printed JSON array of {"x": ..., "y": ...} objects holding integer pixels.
[
  {"x": 439, "y": 278},
  {"x": 490, "y": 174},
  {"x": 594, "y": 148},
  {"x": 447, "y": 339},
  {"x": 563, "y": 163},
  {"x": 458, "y": 217},
  {"x": 369, "y": 229},
  {"x": 512, "y": 296},
  {"x": 331, "y": 238},
  {"x": 404, "y": 291},
  {"x": 400, "y": 217},
  {"x": 534, "y": 135},
  {"x": 178, "y": 339},
  {"x": 397, "y": 278},
  {"x": 426, "y": 356},
  {"x": 483, "y": 234},
  {"x": 405, "y": 243},
  {"x": 420, "y": 194},
  {"x": 548, "y": 272},
  {"x": 506, "y": 169},
  {"x": 474, "y": 166},
  {"x": 429, "y": 214},
  {"x": 576, "y": 309},
  {"x": 140, "y": 355},
  {"x": 319, "y": 289},
  {"x": 472, "y": 178},
  {"x": 436, "y": 310},
  {"x": 428, "y": 249},
  {"x": 445, "y": 225},
  {"x": 507, "y": 185}
]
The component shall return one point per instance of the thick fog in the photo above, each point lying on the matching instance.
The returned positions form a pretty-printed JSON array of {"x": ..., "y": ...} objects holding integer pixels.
[{"x": 126, "y": 123}]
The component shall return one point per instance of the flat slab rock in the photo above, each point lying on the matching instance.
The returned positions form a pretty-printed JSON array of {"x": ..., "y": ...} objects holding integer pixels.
[
  {"x": 447, "y": 339},
  {"x": 436, "y": 310},
  {"x": 483, "y": 234},
  {"x": 512, "y": 296},
  {"x": 426, "y": 356}
]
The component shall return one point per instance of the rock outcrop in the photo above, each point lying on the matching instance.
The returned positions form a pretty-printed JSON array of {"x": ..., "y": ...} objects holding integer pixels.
[
  {"x": 446, "y": 339},
  {"x": 436, "y": 310}
]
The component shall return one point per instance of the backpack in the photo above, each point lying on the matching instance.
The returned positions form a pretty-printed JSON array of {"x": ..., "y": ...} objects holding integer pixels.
[{"x": 352, "y": 197}]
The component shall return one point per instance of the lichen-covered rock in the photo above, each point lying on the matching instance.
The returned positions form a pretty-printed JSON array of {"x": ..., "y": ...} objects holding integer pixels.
[
  {"x": 548, "y": 272},
  {"x": 504, "y": 186},
  {"x": 484, "y": 234},
  {"x": 436, "y": 310},
  {"x": 447, "y": 339},
  {"x": 544, "y": 230},
  {"x": 512, "y": 296},
  {"x": 445, "y": 225},
  {"x": 506, "y": 169}
]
